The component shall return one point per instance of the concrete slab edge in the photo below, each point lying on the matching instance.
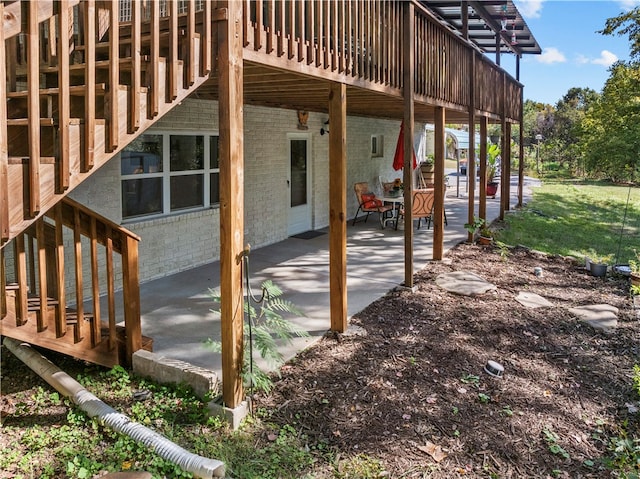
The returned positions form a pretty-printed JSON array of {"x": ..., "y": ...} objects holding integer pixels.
[{"x": 165, "y": 370}]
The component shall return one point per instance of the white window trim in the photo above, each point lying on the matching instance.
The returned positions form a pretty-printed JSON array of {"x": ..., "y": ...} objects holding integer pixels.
[{"x": 166, "y": 174}]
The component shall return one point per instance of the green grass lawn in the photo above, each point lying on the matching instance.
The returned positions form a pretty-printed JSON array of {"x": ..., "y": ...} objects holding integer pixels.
[{"x": 570, "y": 218}]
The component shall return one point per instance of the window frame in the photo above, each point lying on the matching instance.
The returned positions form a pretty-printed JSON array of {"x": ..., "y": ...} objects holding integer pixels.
[{"x": 166, "y": 174}]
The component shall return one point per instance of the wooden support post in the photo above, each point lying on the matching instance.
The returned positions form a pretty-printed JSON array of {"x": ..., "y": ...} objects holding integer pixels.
[
  {"x": 338, "y": 206},
  {"x": 4, "y": 152},
  {"x": 438, "y": 204},
  {"x": 521, "y": 153},
  {"x": 504, "y": 144},
  {"x": 154, "y": 47},
  {"x": 131, "y": 297},
  {"x": 506, "y": 163},
  {"x": 230, "y": 77},
  {"x": 471, "y": 155},
  {"x": 409, "y": 131},
  {"x": 482, "y": 205},
  {"x": 173, "y": 50}
]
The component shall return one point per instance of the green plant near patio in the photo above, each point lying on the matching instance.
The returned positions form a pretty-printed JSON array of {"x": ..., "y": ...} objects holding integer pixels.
[
  {"x": 475, "y": 225},
  {"x": 266, "y": 325},
  {"x": 597, "y": 258}
]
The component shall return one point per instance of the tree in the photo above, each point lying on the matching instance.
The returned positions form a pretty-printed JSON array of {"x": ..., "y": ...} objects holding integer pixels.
[
  {"x": 626, "y": 24},
  {"x": 611, "y": 128}
]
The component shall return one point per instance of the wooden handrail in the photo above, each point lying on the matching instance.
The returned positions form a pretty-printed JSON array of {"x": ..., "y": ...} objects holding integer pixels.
[{"x": 39, "y": 271}]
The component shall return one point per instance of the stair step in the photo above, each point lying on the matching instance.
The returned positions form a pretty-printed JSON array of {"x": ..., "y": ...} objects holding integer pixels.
[{"x": 25, "y": 122}]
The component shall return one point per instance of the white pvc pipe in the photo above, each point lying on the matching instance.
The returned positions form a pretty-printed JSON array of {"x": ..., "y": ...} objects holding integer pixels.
[{"x": 197, "y": 465}]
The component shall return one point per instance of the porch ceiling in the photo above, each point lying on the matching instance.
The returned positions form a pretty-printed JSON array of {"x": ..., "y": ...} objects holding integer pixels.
[{"x": 267, "y": 86}]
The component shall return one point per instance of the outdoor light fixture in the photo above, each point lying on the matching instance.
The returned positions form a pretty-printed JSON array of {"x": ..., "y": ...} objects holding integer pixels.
[{"x": 325, "y": 129}]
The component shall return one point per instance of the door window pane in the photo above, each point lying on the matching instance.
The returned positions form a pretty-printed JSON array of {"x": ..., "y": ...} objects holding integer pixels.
[
  {"x": 214, "y": 153},
  {"x": 187, "y": 152},
  {"x": 186, "y": 191},
  {"x": 298, "y": 172}
]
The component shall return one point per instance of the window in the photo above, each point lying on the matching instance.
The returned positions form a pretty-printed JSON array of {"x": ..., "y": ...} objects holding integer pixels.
[
  {"x": 165, "y": 173},
  {"x": 377, "y": 147}
]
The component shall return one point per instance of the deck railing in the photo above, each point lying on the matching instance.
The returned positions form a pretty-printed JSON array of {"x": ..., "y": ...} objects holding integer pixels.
[
  {"x": 45, "y": 298},
  {"x": 363, "y": 41}
]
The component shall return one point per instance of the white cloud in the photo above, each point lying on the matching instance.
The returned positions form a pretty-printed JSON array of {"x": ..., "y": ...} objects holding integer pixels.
[
  {"x": 582, "y": 60},
  {"x": 551, "y": 55},
  {"x": 606, "y": 58},
  {"x": 628, "y": 4},
  {"x": 532, "y": 8}
]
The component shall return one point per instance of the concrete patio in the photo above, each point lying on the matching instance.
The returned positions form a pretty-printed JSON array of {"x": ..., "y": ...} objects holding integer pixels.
[{"x": 176, "y": 309}]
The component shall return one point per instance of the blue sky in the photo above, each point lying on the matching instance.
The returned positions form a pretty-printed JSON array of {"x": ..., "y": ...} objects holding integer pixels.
[{"x": 573, "y": 54}]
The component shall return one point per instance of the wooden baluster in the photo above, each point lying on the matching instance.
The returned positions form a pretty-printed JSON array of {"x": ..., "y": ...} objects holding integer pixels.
[
  {"x": 311, "y": 35},
  {"x": 111, "y": 301},
  {"x": 42, "y": 276},
  {"x": 155, "y": 58},
  {"x": 300, "y": 30},
  {"x": 114, "y": 75},
  {"x": 33, "y": 100},
  {"x": 64, "y": 97},
  {"x": 31, "y": 261},
  {"x": 191, "y": 42},
  {"x": 22, "y": 310},
  {"x": 334, "y": 35},
  {"x": 136, "y": 73},
  {"x": 257, "y": 26},
  {"x": 280, "y": 33},
  {"x": 4, "y": 153},
  {"x": 95, "y": 283},
  {"x": 271, "y": 26},
  {"x": 291, "y": 19},
  {"x": 77, "y": 250},
  {"x": 206, "y": 42},
  {"x": 89, "y": 23},
  {"x": 61, "y": 319},
  {"x": 173, "y": 50}
]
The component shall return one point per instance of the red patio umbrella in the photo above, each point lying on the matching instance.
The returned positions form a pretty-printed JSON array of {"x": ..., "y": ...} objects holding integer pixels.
[{"x": 398, "y": 158}]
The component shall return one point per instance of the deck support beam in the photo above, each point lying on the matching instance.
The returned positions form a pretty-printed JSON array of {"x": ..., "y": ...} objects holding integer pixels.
[
  {"x": 471, "y": 155},
  {"x": 438, "y": 204},
  {"x": 230, "y": 77},
  {"x": 338, "y": 206},
  {"x": 409, "y": 131},
  {"x": 482, "y": 204}
]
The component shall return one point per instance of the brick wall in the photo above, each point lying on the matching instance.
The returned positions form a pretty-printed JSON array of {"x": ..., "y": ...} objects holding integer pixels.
[{"x": 182, "y": 241}]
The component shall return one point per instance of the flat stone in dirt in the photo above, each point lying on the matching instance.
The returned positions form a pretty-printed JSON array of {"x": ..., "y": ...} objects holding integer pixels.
[
  {"x": 598, "y": 316},
  {"x": 532, "y": 300},
  {"x": 464, "y": 282}
]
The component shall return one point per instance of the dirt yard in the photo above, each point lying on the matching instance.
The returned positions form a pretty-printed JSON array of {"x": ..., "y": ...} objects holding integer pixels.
[{"x": 409, "y": 387}]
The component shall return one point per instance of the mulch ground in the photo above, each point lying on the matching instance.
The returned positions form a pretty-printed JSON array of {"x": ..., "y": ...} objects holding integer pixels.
[{"x": 408, "y": 387}]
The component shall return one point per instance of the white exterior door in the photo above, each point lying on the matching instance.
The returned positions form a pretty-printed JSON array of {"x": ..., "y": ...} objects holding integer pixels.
[{"x": 299, "y": 182}]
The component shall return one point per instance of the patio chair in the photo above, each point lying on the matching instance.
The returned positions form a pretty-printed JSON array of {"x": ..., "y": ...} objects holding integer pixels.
[
  {"x": 422, "y": 205},
  {"x": 369, "y": 203}
]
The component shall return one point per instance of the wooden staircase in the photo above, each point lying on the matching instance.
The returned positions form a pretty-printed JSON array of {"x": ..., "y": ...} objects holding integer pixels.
[{"x": 84, "y": 78}]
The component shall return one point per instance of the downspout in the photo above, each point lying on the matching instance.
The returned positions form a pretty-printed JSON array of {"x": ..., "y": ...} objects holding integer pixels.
[{"x": 197, "y": 465}]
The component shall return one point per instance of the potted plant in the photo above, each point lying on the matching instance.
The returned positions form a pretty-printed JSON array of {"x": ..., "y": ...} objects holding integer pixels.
[
  {"x": 493, "y": 160},
  {"x": 598, "y": 264},
  {"x": 485, "y": 235},
  {"x": 427, "y": 169}
]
